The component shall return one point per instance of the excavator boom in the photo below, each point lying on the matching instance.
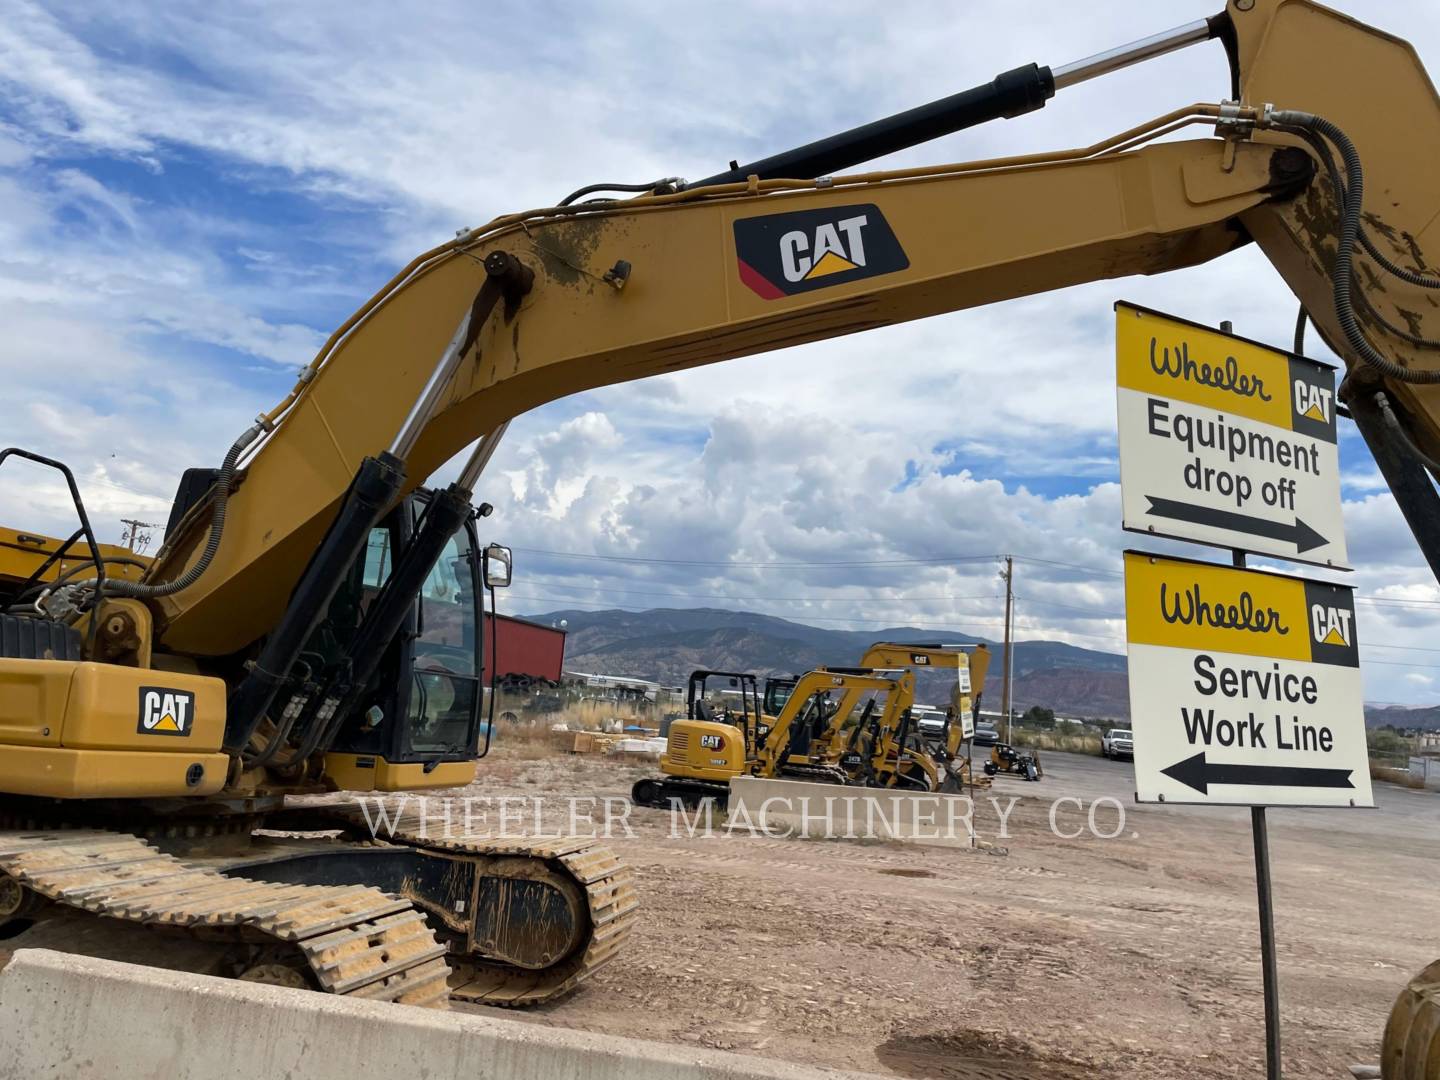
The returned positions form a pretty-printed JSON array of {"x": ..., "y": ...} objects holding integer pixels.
[{"x": 626, "y": 289}]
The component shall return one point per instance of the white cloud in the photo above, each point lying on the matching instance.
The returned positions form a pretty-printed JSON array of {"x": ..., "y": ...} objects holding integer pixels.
[{"x": 141, "y": 337}]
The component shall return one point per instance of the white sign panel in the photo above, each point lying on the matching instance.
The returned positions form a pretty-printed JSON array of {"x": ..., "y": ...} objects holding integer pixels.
[
  {"x": 1244, "y": 687},
  {"x": 1226, "y": 442}
]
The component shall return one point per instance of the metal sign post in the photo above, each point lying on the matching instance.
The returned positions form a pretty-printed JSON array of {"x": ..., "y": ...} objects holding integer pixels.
[
  {"x": 1264, "y": 902},
  {"x": 1244, "y": 685},
  {"x": 1269, "y": 969}
]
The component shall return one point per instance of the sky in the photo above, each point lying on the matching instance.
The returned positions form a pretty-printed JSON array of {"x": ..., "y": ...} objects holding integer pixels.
[{"x": 192, "y": 196}]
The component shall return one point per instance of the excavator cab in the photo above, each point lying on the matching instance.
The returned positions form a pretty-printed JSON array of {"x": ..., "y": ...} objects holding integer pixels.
[
  {"x": 716, "y": 740},
  {"x": 778, "y": 689},
  {"x": 421, "y": 713}
]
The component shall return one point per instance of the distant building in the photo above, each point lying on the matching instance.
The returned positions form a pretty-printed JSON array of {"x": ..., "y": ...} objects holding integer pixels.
[
  {"x": 524, "y": 650},
  {"x": 619, "y": 686}
]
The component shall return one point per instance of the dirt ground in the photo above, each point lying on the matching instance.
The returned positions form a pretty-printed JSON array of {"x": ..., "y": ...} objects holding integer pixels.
[{"x": 1063, "y": 960}]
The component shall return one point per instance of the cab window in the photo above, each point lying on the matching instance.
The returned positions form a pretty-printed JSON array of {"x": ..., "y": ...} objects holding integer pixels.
[{"x": 446, "y": 686}]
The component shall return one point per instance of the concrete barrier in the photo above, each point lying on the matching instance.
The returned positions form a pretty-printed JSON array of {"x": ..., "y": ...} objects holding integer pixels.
[
  {"x": 79, "y": 1018},
  {"x": 799, "y": 808}
]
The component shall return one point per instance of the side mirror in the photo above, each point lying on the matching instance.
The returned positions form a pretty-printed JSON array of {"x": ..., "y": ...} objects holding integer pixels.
[{"x": 497, "y": 566}]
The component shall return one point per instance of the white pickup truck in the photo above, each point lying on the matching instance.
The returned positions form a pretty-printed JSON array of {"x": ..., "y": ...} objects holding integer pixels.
[{"x": 1118, "y": 743}]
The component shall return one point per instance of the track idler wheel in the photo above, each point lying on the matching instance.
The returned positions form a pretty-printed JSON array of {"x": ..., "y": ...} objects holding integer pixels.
[
  {"x": 648, "y": 792},
  {"x": 17, "y": 902},
  {"x": 528, "y": 915},
  {"x": 1411, "y": 1047}
]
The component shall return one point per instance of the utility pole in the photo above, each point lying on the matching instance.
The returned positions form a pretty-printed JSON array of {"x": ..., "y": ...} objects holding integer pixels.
[
  {"x": 1009, "y": 664},
  {"x": 134, "y": 535}
]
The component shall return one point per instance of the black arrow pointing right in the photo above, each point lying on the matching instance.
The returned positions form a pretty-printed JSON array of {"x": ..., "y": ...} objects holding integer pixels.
[
  {"x": 1301, "y": 535},
  {"x": 1199, "y": 774}
]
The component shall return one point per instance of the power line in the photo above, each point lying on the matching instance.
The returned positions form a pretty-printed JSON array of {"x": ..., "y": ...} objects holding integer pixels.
[
  {"x": 935, "y": 561},
  {"x": 852, "y": 600},
  {"x": 962, "y": 617},
  {"x": 808, "y": 618},
  {"x": 1072, "y": 607},
  {"x": 1395, "y": 600},
  {"x": 1070, "y": 566},
  {"x": 765, "y": 564},
  {"x": 795, "y": 599}
]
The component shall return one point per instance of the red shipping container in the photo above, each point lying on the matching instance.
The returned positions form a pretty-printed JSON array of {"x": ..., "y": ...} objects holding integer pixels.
[{"x": 523, "y": 648}]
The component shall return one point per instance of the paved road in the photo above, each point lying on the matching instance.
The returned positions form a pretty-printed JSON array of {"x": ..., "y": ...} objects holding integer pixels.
[{"x": 1400, "y": 814}]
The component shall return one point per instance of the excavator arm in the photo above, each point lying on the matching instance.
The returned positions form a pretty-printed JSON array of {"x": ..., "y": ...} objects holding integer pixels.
[
  {"x": 777, "y": 743},
  {"x": 964, "y": 695},
  {"x": 546, "y": 303}
]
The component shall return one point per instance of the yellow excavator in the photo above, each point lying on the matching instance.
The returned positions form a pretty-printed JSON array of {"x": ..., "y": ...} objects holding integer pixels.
[
  {"x": 708, "y": 749},
  {"x": 835, "y": 725},
  {"x": 127, "y": 826},
  {"x": 970, "y": 663},
  {"x": 899, "y": 751},
  {"x": 1321, "y": 146}
]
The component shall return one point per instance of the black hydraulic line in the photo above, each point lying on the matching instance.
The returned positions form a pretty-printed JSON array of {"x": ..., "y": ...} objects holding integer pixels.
[
  {"x": 1397, "y": 430},
  {"x": 655, "y": 187},
  {"x": 494, "y": 652},
  {"x": 1350, "y": 195},
  {"x": 1406, "y": 476},
  {"x": 327, "y": 711},
  {"x": 1013, "y": 93},
  {"x": 376, "y": 486},
  {"x": 55, "y": 556},
  {"x": 118, "y": 560},
  {"x": 1363, "y": 301},
  {"x": 1322, "y": 149},
  {"x": 219, "y": 498}
]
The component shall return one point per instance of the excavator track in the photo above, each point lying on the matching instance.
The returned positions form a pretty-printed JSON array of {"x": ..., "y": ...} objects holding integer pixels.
[
  {"x": 354, "y": 940},
  {"x": 607, "y": 885}
]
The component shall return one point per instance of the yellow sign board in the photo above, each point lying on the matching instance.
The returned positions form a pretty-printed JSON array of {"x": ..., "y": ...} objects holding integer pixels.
[
  {"x": 1226, "y": 441},
  {"x": 1195, "y": 605},
  {"x": 1244, "y": 686}
]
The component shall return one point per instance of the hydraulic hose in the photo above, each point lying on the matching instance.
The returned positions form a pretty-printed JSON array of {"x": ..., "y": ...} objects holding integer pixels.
[
  {"x": 1387, "y": 414},
  {"x": 1314, "y": 129},
  {"x": 1323, "y": 150},
  {"x": 145, "y": 591},
  {"x": 590, "y": 189}
]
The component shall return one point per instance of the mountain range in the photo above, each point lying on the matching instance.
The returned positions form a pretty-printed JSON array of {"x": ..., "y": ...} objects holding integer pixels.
[{"x": 665, "y": 644}]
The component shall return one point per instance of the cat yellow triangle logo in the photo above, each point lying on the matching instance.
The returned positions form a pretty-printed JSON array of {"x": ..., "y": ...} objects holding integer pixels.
[
  {"x": 1333, "y": 638},
  {"x": 830, "y": 263},
  {"x": 1314, "y": 413},
  {"x": 165, "y": 711}
]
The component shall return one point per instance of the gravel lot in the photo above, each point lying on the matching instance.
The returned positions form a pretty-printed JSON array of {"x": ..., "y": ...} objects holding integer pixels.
[{"x": 1064, "y": 959}]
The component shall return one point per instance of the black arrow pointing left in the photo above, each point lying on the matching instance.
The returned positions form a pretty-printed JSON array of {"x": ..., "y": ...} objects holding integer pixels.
[{"x": 1199, "y": 774}]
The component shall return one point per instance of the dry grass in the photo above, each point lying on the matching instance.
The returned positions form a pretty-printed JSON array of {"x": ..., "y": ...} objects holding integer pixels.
[
  {"x": 1394, "y": 775},
  {"x": 585, "y": 714},
  {"x": 1048, "y": 740},
  {"x": 537, "y": 738}
]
